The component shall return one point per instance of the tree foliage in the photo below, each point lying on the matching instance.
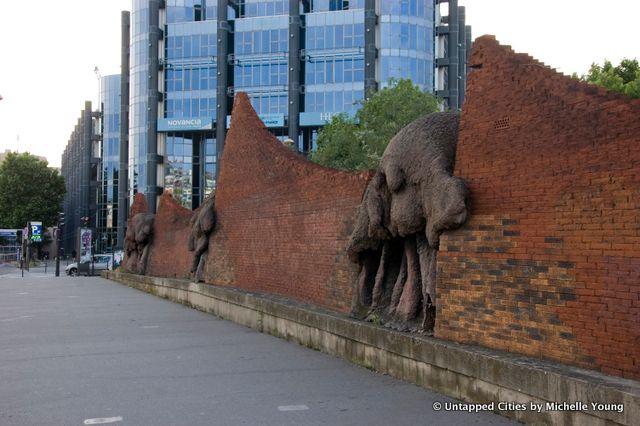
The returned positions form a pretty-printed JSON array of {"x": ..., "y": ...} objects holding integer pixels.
[
  {"x": 29, "y": 190},
  {"x": 358, "y": 143},
  {"x": 624, "y": 78},
  {"x": 338, "y": 145}
]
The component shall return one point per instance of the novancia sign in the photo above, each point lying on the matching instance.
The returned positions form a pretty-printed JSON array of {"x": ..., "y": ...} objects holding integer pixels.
[{"x": 192, "y": 123}]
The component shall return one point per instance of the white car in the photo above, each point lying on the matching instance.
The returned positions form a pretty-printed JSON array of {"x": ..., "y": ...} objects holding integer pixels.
[{"x": 101, "y": 262}]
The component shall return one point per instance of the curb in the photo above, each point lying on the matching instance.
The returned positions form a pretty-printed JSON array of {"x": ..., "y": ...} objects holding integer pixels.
[{"x": 526, "y": 389}]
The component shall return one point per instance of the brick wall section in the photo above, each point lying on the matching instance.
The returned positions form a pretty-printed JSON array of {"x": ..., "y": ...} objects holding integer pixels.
[
  {"x": 169, "y": 256},
  {"x": 139, "y": 205},
  {"x": 549, "y": 264},
  {"x": 283, "y": 222}
]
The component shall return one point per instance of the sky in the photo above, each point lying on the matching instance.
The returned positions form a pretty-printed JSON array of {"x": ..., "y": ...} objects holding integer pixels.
[{"x": 49, "y": 50}]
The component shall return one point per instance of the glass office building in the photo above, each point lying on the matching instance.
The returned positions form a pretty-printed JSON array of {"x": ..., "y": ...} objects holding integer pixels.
[
  {"x": 138, "y": 100},
  {"x": 300, "y": 63},
  {"x": 189, "y": 83},
  {"x": 80, "y": 169},
  {"x": 109, "y": 179}
]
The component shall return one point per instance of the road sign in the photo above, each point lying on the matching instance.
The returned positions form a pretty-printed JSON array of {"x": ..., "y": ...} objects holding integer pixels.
[{"x": 35, "y": 231}]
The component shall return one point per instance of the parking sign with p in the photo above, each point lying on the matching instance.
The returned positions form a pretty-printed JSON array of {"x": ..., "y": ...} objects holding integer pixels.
[{"x": 35, "y": 231}]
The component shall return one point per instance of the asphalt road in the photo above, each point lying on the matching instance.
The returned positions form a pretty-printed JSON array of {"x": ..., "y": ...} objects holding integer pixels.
[{"x": 85, "y": 350}]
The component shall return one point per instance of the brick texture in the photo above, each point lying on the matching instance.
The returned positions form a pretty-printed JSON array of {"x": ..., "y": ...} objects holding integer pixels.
[
  {"x": 549, "y": 264},
  {"x": 169, "y": 256},
  {"x": 139, "y": 205},
  {"x": 282, "y": 222}
]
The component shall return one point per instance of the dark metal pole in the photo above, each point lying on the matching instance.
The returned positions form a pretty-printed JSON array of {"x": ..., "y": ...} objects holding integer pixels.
[
  {"x": 294, "y": 72},
  {"x": 462, "y": 54},
  {"x": 222, "y": 102},
  {"x": 58, "y": 240},
  {"x": 452, "y": 53},
  {"x": 152, "y": 106},
  {"x": 370, "y": 50},
  {"x": 85, "y": 152},
  {"x": 123, "y": 172},
  {"x": 22, "y": 257},
  {"x": 469, "y": 40},
  {"x": 113, "y": 254}
]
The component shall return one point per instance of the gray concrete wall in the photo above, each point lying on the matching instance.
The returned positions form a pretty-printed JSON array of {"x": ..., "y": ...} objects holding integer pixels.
[{"x": 472, "y": 374}]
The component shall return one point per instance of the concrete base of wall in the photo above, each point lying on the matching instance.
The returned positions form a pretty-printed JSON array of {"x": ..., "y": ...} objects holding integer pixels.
[{"x": 472, "y": 374}]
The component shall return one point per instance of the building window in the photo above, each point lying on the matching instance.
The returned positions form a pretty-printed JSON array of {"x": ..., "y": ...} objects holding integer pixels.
[{"x": 339, "y": 5}]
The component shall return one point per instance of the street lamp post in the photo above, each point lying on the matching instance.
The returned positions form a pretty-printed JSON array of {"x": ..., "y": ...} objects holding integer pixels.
[{"x": 58, "y": 241}]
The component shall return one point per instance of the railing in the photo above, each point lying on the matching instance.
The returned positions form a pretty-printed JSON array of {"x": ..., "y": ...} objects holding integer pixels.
[{"x": 8, "y": 257}]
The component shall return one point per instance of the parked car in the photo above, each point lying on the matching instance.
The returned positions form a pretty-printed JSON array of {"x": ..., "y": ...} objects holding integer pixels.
[{"x": 101, "y": 262}]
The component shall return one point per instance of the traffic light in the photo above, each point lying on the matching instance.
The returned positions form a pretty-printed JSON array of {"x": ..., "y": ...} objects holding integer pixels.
[{"x": 60, "y": 219}]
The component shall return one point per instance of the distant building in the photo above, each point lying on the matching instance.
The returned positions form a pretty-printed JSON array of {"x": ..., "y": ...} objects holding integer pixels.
[
  {"x": 109, "y": 166},
  {"x": 4, "y": 154},
  {"x": 80, "y": 164},
  {"x": 91, "y": 168},
  {"x": 9, "y": 244},
  {"x": 300, "y": 62}
]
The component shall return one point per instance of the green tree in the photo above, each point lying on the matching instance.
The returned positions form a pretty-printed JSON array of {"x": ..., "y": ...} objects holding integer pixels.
[
  {"x": 339, "y": 146},
  {"x": 29, "y": 190},
  {"x": 358, "y": 143},
  {"x": 624, "y": 78}
]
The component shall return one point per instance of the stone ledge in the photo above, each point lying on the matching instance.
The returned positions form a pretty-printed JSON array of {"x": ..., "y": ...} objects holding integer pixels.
[{"x": 469, "y": 373}]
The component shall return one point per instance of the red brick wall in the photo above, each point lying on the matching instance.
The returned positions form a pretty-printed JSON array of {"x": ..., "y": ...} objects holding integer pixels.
[
  {"x": 139, "y": 205},
  {"x": 169, "y": 256},
  {"x": 549, "y": 264},
  {"x": 282, "y": 221}
]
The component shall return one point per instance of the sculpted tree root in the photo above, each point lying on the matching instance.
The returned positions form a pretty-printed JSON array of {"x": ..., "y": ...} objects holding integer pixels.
[
  {"x": 393, "y": 285},
  {"x": 202, "y": 224},
  {"x": 410, "y": 201},
  {"x": 137, "y": 242}
]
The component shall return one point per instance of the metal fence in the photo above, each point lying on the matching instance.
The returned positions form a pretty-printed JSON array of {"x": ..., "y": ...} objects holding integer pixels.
[{"x": 9, "y": 254}]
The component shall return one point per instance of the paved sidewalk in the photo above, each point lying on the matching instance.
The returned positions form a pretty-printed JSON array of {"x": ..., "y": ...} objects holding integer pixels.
[
  {"x": 10, "y": 271},
  {"x": 84, "y": 350}
]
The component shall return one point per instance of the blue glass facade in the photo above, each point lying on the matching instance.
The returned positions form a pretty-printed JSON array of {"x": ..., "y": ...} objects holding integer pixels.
[
  {"x": 260, "y": 58},
  {"x": 138, "y": 102},
  {"x": 189, "y": 81},
  {"x": 190, "y": 70},
  {"x": 334, "y": 59},
  {"x": 109, "y": 179},
  {"x": 190, "y": 10},
  {"x": 406, "y": 42},
  {"x": 331, "y": 77}
]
